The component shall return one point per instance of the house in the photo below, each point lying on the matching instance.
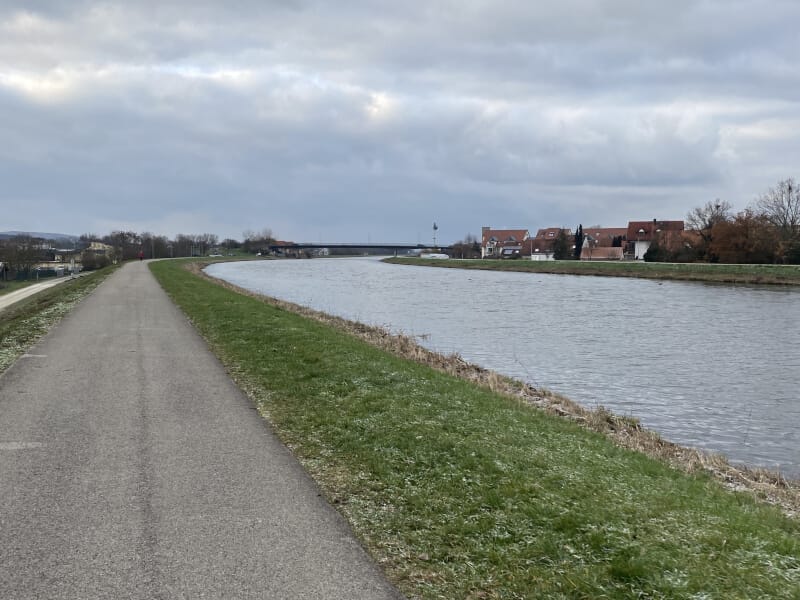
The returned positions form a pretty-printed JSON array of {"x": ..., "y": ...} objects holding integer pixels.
[
  {"x": 641, "y": 234},
  {"x": 603, "y": 243},
  {"x": 100, "y": 248},
  {"x": 542, "y": 246},
  {"x": 502, "y": 243},
  {"x": 63, "y": 255},
  {"x": 605, "y": 237},
  {"x": 551, "y": 233}
]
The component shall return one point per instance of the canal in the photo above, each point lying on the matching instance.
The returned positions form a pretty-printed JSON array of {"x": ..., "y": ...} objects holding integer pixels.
[{"x": 711, "y": 366}]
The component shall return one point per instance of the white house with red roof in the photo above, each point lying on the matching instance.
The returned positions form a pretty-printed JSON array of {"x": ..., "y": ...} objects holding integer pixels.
[
  {"x": 502, "y": 243},
  {"x": 642, "y": 233},
  {"x": 542, "y": 247}
]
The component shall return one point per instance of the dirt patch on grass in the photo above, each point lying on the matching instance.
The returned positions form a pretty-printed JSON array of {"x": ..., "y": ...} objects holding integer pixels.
[{"x": 626, "y": 432}]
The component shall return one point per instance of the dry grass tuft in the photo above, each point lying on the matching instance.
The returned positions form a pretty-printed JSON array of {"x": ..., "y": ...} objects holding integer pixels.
[{"x": 627, "y": 432}]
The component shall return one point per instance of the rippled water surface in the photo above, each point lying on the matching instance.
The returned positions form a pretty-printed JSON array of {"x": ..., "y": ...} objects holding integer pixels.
[{"x": 713, "y": 366}]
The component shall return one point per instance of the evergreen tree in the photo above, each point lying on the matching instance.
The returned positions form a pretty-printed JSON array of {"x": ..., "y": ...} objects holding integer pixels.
[
  {"x": 578, "y": 242},
  {"x": 561, "y": 246}
]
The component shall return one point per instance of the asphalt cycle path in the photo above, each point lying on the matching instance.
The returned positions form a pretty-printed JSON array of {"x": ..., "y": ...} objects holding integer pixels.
[
  {"x": 132, "y": 467},
  {"x": 10, "y": 298}
]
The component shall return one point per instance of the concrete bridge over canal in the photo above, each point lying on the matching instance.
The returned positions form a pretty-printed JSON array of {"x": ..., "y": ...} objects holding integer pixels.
[{"x": 357, "y": 246}]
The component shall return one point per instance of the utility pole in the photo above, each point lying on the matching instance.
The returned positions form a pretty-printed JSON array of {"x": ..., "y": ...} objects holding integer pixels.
[{"x": 435, "y": 228}]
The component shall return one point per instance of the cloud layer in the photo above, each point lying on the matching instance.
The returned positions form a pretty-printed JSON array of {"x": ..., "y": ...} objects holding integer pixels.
[{"x": 347, "y": 121}]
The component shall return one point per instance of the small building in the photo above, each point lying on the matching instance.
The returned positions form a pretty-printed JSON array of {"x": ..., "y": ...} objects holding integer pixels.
[
  {"x": 542, "y": 246},
  {"x": 100, "y": 248},
  {"x": 502, "y": 243},
  {"x": 603, "y": 243},
  {"x": 641, "y": 234},
  {"x": 606, "y": 237}
]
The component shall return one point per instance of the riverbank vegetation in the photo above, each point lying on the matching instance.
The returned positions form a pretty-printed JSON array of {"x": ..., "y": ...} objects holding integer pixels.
[
  {"x": 766, "y": 232},
  {"x": 24, "y": 322},
  {"x": 718, "y": 273},
  {"x": 460, "y": 491}
]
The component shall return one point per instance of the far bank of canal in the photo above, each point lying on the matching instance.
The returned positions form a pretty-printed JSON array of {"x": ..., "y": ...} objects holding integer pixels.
[{"x": 711, "y": 366}]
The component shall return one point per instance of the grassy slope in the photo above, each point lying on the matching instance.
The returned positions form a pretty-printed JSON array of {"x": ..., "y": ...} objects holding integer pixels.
[
  {"x": 462, "y": 493},
  {"x": 746, "y": 274},
  {"x": 24, "y": 322}
]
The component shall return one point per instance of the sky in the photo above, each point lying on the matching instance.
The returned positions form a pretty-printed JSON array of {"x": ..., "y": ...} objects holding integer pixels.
[{"x": 369, "y": 121}]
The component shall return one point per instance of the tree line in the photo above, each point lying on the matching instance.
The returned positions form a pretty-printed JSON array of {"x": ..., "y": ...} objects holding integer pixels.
[
  {"x": 767, "y": 231},
  {"x": 21, "y": 253}
]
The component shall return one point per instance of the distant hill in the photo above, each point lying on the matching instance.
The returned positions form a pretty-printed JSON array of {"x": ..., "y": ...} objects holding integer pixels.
[{"x": 4, "y": 235}]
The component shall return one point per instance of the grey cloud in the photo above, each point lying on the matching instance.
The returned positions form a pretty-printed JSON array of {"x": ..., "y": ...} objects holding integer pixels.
[{"x": 337, "y": 119}]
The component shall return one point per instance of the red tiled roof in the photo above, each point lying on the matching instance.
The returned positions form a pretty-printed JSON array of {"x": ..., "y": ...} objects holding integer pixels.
[
  {"x": 551, "y": 233},
  {"x": 605, "y": 235},
  {"x": 504, "y": 236},
  {"x": 644, "y": 230}
]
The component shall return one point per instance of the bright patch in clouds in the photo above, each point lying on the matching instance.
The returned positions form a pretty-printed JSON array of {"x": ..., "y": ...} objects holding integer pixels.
[
  {"x": 325, "y": 120},
  {"x": 49, "y": 87},
  {"x": 380, "y": 106}
]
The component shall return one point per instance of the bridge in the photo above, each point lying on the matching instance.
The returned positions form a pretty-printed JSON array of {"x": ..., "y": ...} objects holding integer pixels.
[{"x": 355, "y": 246}]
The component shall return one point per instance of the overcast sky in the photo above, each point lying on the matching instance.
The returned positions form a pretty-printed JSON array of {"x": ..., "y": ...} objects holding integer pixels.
[{"x": 348, "y": 120}]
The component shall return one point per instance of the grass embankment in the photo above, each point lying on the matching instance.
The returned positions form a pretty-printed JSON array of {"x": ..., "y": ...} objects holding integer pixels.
[
  {"x": 745, "y": 274},
  {"x": 460, "y": 492},
  {"x": 24, "y": 322}
]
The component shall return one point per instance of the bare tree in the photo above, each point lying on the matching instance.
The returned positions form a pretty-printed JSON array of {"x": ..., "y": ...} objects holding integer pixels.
[
  {"x": 781, "y": 207},
  {"x": 23, "y": 252},
  {"x": 126, "y": 244},
  {"x": 703, "y": 218},
  {"x": 747, "y": 238},
  {"x": 154, "y": 246},
  {"x": 257, "y": 241},
  {"x": 706, "y": 220},
  {"x": 469, "y": 247}
]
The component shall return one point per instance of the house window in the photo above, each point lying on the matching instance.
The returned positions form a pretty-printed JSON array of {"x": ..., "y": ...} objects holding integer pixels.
[{"x": 489, "y": 249}]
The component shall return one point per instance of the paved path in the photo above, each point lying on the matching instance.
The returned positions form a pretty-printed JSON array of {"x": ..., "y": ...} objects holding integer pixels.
[
  {"x": 132, "y": 467},
  {"x": 10, "y": 298}
]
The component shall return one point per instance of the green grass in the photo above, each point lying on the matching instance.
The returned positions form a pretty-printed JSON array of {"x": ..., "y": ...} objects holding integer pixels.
[
  {"x": 24, "y": 322},
  {"x": 461, "y": 493},
  {"x": 746, "y": 274}
]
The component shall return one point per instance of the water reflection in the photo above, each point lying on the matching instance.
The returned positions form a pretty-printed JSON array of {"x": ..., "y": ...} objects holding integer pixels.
[{"x": 713, "y": 366}]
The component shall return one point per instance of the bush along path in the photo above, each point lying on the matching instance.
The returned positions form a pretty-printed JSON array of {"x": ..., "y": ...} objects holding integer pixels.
[{"x": 461, "y": 492}]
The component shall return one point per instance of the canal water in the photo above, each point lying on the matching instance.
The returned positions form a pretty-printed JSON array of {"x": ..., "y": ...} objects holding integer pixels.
[{"x": 711, "y": 366}]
